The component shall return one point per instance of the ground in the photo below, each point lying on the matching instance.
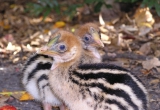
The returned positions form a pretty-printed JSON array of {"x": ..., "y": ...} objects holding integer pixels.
[
  {"x": 11, "y": 75},
  {"x": 127, "y": 44}
]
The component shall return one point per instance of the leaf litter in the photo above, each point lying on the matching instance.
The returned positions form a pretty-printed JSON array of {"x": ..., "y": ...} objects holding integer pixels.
[{"x": 130, "y": 41}]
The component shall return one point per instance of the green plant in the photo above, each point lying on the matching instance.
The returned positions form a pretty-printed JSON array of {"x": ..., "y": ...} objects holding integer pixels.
[
  {"x": 97, "y": 4},
  {"x": 150, "y": 3},
  {"x": 71, "y": 10},
  {"x": 43, "y": 7},
  {"x": 127, "y": 1}
]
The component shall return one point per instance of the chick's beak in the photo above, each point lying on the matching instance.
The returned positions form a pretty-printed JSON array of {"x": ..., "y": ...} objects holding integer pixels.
[
  {"x": 97, "y": 39},
  {"x": 46, "y": 51}
]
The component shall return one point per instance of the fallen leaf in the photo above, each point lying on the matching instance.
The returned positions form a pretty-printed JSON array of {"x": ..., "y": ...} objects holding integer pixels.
[
  {"x": 59, "y": 24},
  {"x": 101, "y": 21},
  {"x": 105, "y": 38},
  {"x": 157, "y": 53},
  {"x": 103, "y": 29},
  {"x": 145, "y": 72},
  {"x": 143, "y": 16},
  {"x": 10, "y": 46},
  {"x": 128, "y": 27},
  {"x": 144, "y": 20},
  {"x": 15, "y": 60},
  {"x": 156, "y": 26},
  {"x": 149, "y": 64},
  {"x": 145, "y": 48},
  {"x": 15, "y": 94},
  {"x": 26, "y": 96},
  {"x": 155, "y": 81},
  {"x": 3, "y": 98},
  {"x": 143, "y": 30}
]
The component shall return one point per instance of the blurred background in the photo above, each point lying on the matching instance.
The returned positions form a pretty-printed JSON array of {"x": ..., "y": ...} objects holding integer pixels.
[{"x": 130, "y": 30}]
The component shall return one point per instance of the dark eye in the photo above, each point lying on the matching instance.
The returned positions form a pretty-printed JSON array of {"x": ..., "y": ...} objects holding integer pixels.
[
  {"x": 62, "y": 47},
  {"x": 86, "y": 38}
]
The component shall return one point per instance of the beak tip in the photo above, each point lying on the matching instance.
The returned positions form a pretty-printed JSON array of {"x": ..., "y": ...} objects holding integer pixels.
[
  {"x": 100, "y": 43},
  {"x": 42, "y": 49}
]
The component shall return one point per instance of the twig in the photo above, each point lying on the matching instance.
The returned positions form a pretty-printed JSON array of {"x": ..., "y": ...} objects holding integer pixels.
[{"x": 128, "y": 55}]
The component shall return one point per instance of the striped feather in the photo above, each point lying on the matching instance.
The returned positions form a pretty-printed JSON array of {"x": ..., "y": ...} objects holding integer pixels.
[
  {"x": 116, "y": 85},
  {"x": 35, "y": 79}
]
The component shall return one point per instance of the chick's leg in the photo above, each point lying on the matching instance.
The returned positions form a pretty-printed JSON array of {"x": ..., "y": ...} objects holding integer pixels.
[
  {"x": 63, "y": 107},
  {"x": 47, "y": 106}
]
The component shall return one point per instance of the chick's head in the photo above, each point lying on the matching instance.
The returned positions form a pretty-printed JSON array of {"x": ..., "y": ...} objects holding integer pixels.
[
  {"x": 63, "y": 47},
  {"x": 90, "y": 35}
]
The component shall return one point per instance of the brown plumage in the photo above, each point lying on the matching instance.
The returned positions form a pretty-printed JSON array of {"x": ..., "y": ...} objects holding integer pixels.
[
  {"x": 92, "y": 86},
  {"x": 36, "y": 70},
  {"x": 91, "y": 48}
]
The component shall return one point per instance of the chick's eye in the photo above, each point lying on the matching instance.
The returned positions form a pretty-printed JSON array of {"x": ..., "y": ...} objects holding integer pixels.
[
  {"x": 86, "y": 38},
  {"x": 62, "y": 47}
]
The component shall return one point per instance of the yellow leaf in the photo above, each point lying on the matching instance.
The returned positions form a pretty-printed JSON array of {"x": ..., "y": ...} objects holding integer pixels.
[
  {"x": 145, "y": 24},
  {"x": 59, "y": 24},
  {"x": 6, "y": 27},
  {"x": 11, "y": 93},
  {"x": 143, "y": 17},
  {"x": 26, "y": 96}
]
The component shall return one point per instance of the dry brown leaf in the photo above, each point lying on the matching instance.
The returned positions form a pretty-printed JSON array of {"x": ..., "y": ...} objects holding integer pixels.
[
  {"x": 145, "y": 48},
  {"x": 105, "y": 39},
  {"x": 143, "y": 30},
  {"x": 157, "y": 53},
  {"x": 144, "y": 20},
  {"x": 103, "y": 29},
  {"x": 143, "y": 16},
  {"x": 152, "y": 63},
  {"x": 128, "y": 27},
  {"x": 154, "y": 81},
  {"x": 145, "y": 72},
  {"x": 156, "y": 26},
  {"x": 3, "y": 98}
]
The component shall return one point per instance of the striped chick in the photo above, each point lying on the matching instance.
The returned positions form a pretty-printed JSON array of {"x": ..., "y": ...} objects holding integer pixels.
[
  {"x": 36, "y": 70},
  {"x": 96, "y": 86}
]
